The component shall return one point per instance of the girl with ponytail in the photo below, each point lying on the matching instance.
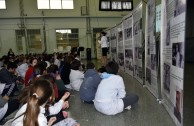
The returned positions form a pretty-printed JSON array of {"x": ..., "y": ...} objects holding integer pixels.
[{"x": 32, "y": 113}]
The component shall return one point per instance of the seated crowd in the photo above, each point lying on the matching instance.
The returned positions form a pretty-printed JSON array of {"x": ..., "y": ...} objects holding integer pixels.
[{"x": 37, "y": 88}]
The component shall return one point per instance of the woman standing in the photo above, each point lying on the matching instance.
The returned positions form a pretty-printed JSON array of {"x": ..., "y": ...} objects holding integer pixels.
[{"x": 104, "y": 46}]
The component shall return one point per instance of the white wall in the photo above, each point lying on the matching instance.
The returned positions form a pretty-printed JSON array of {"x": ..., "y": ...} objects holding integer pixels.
[{"x": 54, "y": 19}]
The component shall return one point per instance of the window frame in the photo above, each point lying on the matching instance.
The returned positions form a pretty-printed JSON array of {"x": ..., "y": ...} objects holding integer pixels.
[
  {"x": 5, "y": 5},
  {"x": 67, "y": 39},
  {"x": 61, "y": 7}
]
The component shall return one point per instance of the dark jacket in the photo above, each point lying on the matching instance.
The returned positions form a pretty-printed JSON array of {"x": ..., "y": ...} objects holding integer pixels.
[
  {"x": 89, "y": 86},
  {"x": 65, "y": 73},
  {"x": 9, "y": 79}
]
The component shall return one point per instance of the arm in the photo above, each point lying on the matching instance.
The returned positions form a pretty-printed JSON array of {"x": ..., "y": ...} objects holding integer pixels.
[
  {"x": 56, "y": 108},
  {"x": 2, "y": 101},
  {"x": 121, "y": 89}
]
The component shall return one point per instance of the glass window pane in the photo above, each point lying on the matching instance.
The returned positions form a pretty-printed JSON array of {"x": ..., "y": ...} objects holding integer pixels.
[
  {"x": 55, "y": 4},
  {"x": 2, "y": 4},
  {"x": 67, "y": 4},
  {"x": 43, "y": 4}
]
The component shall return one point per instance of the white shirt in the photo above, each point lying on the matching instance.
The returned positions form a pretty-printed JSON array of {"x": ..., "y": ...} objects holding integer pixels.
[
  {"x": 42, "y": 121},
  {"x": 108, "y": 96},
  {"x": 41, "y": 117},
  {"x": 22, "y": 69},
  {"x": 103, "y": 42},
  {"x": 76, "y": 78}
]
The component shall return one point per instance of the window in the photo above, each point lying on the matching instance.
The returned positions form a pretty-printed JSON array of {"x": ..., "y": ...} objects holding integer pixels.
[
  {"x": 33, "y": 36},
  {"x": 55, "y": 4},
  {"x": 116, "y": 5},
  {"x": 67, "y": 37},
  {"x": 2, "y": 4}
]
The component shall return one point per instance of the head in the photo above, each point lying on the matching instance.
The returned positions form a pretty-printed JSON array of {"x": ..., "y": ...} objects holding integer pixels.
[
  {"x": 102, "y": 69},
  {"x": 53, "y": 69},
  {"x": 69, "y": 59},
  {"x": 10, "y": 50},
  {"x": 39, "y": 69},
  {"x": 39, "y": 94},
  {"x": 11, "y": 67},
  {"x": 33, "y": 61},
  {"x": 112, "y": 67},
  {"x": 90, "y": 65},
  {"x": 103, "y": 33},
  {"x": 75, "y": 65}
]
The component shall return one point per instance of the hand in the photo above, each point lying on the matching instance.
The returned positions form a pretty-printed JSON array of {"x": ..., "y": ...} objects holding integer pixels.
[
  {"x": 5, "y": 97},
  {"x": 65, "y": 105},
  {"x": 65, "y": 96},
  {"x": 51, "y": 121}
]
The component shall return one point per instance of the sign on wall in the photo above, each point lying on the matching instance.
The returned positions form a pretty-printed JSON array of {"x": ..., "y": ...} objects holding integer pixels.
[
  {"x": 113, "y": 44},
  {"x": 120, "y": 46},
  {"x": 137, "y": 42},
  {"x": 150, "y": 49},
  {"x": 172, "y": 54},
  {"x": 128, "y": 44}
]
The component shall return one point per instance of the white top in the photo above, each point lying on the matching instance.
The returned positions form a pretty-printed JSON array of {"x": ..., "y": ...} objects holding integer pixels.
[
  {"x": 103, "y": 42},
  {"x": 19, "y": 121},
  {"x": 76, "y": 78},
  {"x": 21, "y": 69},
  {"x": 108, "y": 96},
  {"x": 41, "y": 117},
  {"x": 57, "y": 62}
]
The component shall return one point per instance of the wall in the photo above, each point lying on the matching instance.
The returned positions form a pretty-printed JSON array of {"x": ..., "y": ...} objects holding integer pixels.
[{"x": 54, "y": 19}]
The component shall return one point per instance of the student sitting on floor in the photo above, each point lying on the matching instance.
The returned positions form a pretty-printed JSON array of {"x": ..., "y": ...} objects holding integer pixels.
[
  {"x": 7, "y": 77},
  {"x": 90, "y": 84},
  {"x": 110, "y": 98},
  {"x": 33, "y": 112},
  {"x": 76, "y": 75}
]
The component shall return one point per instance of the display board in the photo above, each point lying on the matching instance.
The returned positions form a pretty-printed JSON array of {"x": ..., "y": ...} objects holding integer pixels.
[
  {"x": 172, "y": 57},
  {"x": 150, "y": 49},
  {"x": 113, "y": 44},
  {"x": 120, "y": 47},
  {"x": 137, "y": 42},
  {"x": 108, "y": 35},
  {"x": 128, "y": 44}
]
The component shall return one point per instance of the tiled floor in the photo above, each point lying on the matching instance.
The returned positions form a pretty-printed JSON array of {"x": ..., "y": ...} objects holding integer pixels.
[{"x": 147, "y": 113}]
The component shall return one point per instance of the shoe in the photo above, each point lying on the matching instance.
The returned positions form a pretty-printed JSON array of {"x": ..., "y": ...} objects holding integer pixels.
[{"x": 128, "y": 107}]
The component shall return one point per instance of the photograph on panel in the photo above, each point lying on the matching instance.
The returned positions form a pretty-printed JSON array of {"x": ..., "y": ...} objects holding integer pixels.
[
  {"x": 136, "y": 52},
  {"x": 166, "y": 77},
  {"x": 148, "y": 46},
  {"x": 139, "y": 53},
  {"x": 121, "y": 59},
  {"x": 168, "y": 34},
  {"x": 177, "y": 107},
  {"x": 178, "y": 54},
  {"x": 153, "y": 61},
  {"x": 120, "y": 36},
  {"x": 148, "y": 75},
  {"x": 136, "y": 72},
  {"x": 179, "y": 7},
  {"x": 140, "y": 72}
]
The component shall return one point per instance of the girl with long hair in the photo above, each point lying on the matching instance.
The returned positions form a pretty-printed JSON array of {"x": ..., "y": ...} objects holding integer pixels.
[{"x": 32, "y": 113}]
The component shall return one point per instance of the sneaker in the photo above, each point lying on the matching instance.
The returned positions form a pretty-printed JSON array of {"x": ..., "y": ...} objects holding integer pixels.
[{"x": 128, "y": 107}]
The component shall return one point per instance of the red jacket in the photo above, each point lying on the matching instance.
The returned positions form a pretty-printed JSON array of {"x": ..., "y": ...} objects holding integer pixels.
[{"x": 28, "y": 74}]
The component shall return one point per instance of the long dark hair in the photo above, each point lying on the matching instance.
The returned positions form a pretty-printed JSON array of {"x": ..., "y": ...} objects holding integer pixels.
[{"x": 40, "y": 92}]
